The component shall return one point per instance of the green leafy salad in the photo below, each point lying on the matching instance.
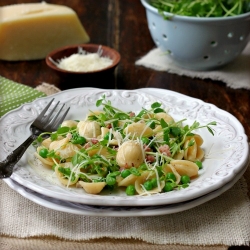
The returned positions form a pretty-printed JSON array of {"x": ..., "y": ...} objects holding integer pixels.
[
  {"x": 202, "y": 8},
  {"x": 140, "y": 153}
]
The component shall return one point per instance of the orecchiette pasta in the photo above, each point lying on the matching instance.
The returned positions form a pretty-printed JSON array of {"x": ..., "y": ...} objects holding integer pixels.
[
  {"x": 114, "y": 139},
  {"x": 179, "y": 155},
  {"x": 46, "y": 142},
  {"x": 45, "y": 161},
  {"x": 144, "y": 153},
  {"x": 61, "y": 177},
  {"x": 69, "y": 123},
  {"x": 138, "y": 129},
  {"x": 89, "y": 129},
  {"x": 124, "y": 182},
  {"x": 100, "y": 151},
  {"x": 130, "y": 154},
  {"x": 92, "y": 187},
  {"x": 184, "y": 167},
  {"x": 166, "y": 117},
  {"x": 64, "y": 150},
  {"x": 194, "y": 151}
]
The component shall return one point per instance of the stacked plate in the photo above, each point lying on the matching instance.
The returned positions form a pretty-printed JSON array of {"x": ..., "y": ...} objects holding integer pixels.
[{"x": 225, "y": 161}]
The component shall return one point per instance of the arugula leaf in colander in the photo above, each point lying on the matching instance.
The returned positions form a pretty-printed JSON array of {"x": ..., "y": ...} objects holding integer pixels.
[{"x": 202, "y": 8}]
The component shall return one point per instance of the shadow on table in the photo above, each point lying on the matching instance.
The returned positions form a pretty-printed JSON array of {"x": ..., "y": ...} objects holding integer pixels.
[
  {"x": 239, "y": 248},
  {"x": 105, "y": 81}
]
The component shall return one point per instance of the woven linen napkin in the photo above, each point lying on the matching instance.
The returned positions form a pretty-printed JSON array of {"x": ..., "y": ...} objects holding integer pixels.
[
  {"x": 13, "y": 95},
  {"x": 224, "y": 220},
  {"x": 236, "y": 74}
]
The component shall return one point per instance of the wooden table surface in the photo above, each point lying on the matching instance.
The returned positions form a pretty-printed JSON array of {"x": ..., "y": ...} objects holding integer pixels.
[{"x": 123, "y": 26}]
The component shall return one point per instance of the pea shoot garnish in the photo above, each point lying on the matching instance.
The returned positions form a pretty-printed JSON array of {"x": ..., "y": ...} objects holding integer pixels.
[{"x": 201, "y": 8}]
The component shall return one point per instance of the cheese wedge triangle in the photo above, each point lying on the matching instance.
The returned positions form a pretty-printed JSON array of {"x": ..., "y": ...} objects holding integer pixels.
[{"x": 30, "y": 31}]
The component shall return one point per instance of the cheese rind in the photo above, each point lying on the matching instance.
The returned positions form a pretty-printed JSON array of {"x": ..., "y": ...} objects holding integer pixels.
[{"x": 31, "y": 31}]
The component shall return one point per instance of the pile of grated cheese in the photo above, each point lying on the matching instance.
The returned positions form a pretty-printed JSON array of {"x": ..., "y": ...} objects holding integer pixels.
[{"x": 84, "y": 61}]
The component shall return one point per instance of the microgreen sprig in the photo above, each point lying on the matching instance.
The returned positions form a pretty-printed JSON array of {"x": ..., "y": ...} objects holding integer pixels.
[{"x": 201, "y": 8}]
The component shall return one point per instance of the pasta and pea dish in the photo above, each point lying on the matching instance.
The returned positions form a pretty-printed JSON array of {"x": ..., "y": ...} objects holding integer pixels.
[{"x": 142, "y": 153}]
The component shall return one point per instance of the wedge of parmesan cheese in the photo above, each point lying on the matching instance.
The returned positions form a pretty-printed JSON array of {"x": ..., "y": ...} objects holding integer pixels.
[{"x": 30, "y": 31}]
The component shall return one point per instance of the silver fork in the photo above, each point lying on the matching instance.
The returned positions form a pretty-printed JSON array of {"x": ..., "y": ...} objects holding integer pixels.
[{"x": 43, "y": 123}]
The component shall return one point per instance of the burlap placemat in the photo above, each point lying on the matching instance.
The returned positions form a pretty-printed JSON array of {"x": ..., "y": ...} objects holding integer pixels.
[
  {"x": 49, "y": 243},
  {"x": 222, "y": 221},
  {"x": 217, "y": 224},
  {"x": 235, "y": 75}
]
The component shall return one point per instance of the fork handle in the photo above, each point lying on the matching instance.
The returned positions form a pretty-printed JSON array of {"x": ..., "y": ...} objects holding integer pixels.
[{"x": 7, "y": 166}]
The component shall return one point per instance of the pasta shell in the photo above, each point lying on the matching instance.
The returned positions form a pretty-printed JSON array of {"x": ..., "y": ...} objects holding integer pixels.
[
  {"x": 166, "y": 117},
  {"x": 114, "y": 141},
  {"x": 148, "y": 116},
  {"x": 45, "y": 161},
  {"x": 184, "y": 167},
  {"x": 99, "y": 151},
  {"x": 104, "y": 131},
  {"x": 130, "y": 154},
  {"x": 121, "y": 123},
  {"x": 194, "y": 152},
  {"x": 179, "y": 155},
  {"x": 198, "y": 139},
  {"x": 62, "y": 179},
  {"x": 55, "y": 145},
  {"x": 200, "y": 154},
  {"x": 138, "y": 129},
  {"x": 69, "y": 123},
  {"x": 46, "y": 142},
  {"x": 190, "y": 151},
  {"x": 158, "y": 132},
  {"x": 96, "y": 112},
  {"x": 89, "y": 129},
  {"x": 92, "y": 187},
  {"x": 63, "y": 148},
  {"x": 129, "y": 180}
]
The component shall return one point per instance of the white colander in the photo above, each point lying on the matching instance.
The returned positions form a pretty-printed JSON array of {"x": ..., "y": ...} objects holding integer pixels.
[{"x": 198, "y": 43}]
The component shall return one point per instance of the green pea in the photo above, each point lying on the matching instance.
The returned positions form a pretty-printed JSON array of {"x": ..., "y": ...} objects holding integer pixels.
[
  {"x": 185, "y": 179},
  {"x": 125, "y": 173},
  {"x": 130, "y": 190},
  {"x": 110, "y": 180},
  {"x": 79, "y": 140},
  {"x": 143, "y": 166},
  {"x": 106, "y": 137},
  {"x": 145, "y": 140},
  {"x": 168, "y": 187},
  {"x": 148, "y": 185},
  {"x": 170, "y": 176},
  {"x": 154, "y": 182},
  {"x": 199, "y": 164},
  {"x": 43, "y": 152}
]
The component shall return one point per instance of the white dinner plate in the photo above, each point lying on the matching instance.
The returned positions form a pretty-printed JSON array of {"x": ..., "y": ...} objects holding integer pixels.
[
  {"x": 225, "y": 153},
  {"x": 115, "y": 211}
]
